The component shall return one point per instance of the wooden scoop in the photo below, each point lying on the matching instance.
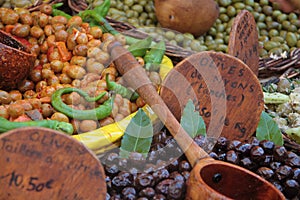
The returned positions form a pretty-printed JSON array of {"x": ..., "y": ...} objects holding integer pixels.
[
  {"x": 39, "y": 163},
  {"x": 210, "y": 179},
  {"x": 224, "y": 90}
]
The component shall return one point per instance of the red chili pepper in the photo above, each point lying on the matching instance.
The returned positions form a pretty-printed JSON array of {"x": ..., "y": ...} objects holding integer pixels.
[
  {"x": 50, "y": 51},
  {"x": 63, "y": 51}
]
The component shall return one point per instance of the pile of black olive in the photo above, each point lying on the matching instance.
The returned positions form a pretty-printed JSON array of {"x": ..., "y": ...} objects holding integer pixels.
[{"x": 163, "y": 174}]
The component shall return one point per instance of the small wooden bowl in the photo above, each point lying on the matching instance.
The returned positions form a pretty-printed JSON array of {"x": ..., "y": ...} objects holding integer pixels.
[
  {"x": 15, "y": 63},
  {"x": 212, "y": 179}
]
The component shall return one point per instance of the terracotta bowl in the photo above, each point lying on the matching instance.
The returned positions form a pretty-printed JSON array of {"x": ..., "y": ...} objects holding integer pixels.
[{"x": 16, "y": 61}]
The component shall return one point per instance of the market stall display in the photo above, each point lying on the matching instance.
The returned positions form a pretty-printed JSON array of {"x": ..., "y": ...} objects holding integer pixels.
[{"x": 75, "y": 87}]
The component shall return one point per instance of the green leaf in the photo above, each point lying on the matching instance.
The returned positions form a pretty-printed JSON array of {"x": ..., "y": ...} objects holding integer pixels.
[
  {"x": 267, "y": 129},
  {"x": 138, "y": 135},
  {"x": 191, "y": 121}
]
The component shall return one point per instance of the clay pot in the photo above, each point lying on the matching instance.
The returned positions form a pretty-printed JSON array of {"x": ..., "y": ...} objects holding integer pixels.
[{"x": 15, "y": 63}]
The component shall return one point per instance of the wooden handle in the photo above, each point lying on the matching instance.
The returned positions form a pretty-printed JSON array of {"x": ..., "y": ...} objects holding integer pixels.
[{"x": 135, "y": 76}]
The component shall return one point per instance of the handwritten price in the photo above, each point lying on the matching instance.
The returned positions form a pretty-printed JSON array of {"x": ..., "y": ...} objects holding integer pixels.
[{"x": 30, "y": 184}]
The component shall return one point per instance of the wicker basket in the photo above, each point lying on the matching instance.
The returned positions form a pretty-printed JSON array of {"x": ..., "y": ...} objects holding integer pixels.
[{"x": 38, "y": 4}]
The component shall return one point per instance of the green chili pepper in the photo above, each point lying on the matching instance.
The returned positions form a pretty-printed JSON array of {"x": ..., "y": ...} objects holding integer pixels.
[
  {"x": 103, "y": 8},
  {"x": 6, "y": 125},
  {"x": 120, "y": 89},
  {"x": 140, "y": 48},
  {"x": 98, "y": 113},
  {"x": 57, "y": 12},
  {"x": 154, "y": 56}
]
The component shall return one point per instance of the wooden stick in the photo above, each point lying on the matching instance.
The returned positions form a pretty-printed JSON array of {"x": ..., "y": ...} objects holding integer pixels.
[{"x": 135, "y": 76}]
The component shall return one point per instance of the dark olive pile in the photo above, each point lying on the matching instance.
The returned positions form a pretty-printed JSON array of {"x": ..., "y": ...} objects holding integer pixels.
[
  {"x": 274, "y": 163},
  {"x": 163, "y": 174}
]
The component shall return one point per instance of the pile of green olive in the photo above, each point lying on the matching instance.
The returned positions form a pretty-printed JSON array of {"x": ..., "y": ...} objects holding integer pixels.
[
  {"x": 278, "y": 31},
  {"x": 135, "y": 12}
]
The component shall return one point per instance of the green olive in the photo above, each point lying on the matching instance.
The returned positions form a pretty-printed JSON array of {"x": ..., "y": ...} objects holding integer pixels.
[
  {"x": 270, "y": 45},
  {"x": 249, "y": 2},
  {"x": 268, "y": 10},
  {"x": 224, "y": 3},
  {"x": 282, "y": 17},
  {"x": 291, "y": 39},
  {"x": 231, "y": 11},
  {"x": 277, "y": 39},
  {"x": 273, "y": 33},
  {"x": 239, "y": 5}
]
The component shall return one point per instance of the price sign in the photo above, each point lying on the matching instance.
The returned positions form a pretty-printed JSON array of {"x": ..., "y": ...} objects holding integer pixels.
[
  {"x": 224, "y": 90},
  {"x": 243, "y": 40},
  {"x": 39, "y": 163}
]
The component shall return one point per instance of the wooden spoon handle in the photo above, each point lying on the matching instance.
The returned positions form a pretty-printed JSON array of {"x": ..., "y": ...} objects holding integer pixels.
[{"x": 135, "y": 76}]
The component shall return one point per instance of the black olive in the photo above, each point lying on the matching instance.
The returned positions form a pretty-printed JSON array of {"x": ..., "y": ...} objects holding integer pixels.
[
  {"x": 157, "y": 146},
  {"x": 173, "y": 165},
  {"x": 267, "y": 145},
  {"x": 296, "y": 174},
  {"x": 123, "y": 179},
  {"x": 248, "y": 163},
  {"x": 152, "y": 156},
  {"x": 160, "y": 137},
  {"x": 163, "y": 186},
  {"x": 108, "y": 182},
  {"x": 265, "y": 172},
  {"x": 222, "y": 156},
  {"x": 244, "y": 149},
  {"x": 291, "y": 188},
  {"x": 142, "y": 198},
  {"x": 107, "y": 197},
  {"x": 160, "y": 174},
  {"x": 123, "y": 163},
  {"x": 214, "y": 155},
  {"x": 232, "y": 157},
  {"x": 280, "y": 153},
  {"x": 186, "y": 175},
  {"x": 200, "y": 140},
  {"x": 253, "y": 141},
  {"x": 257, "y": 154},
  {"x": 283, "y": 172},
  {"x": 148, "y": 192},
  {"x": 233, "y": 144},
  {"x": 176, "y": 176},
  {"x": 159, "y": 197},
  {"x": 136, "y": 160},
  {"x": 267, "y": 160},
  {"x": 293, "y": 159},
  {"x": 144, "y": 180},
  {"x": 184, "y": 166},
  {"x": 275, "y": 165},
  {"x": 112, "y": 158},
  {"x": 116, "y": 197},
  {"x": 221, "y": 143},
  {"x": 277, "y": 185},
  {"x": 129, "y": 193},
  {"x": 176, "y": 190},
  {"x": 111, "y": 170}
]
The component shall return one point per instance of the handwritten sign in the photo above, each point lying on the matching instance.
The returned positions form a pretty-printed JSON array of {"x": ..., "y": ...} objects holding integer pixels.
[
  {"x": 243, "y": 40},
  {"x": 38, "y": 163},
  {"x": 224, "y": 90}
]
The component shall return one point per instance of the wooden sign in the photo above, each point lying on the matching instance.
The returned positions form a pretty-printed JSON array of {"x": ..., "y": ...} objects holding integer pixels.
[
  {"x": 224, "y": 90},
  {"x": 39, "y": 163},
  {"x": 243, "y": 40}
]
